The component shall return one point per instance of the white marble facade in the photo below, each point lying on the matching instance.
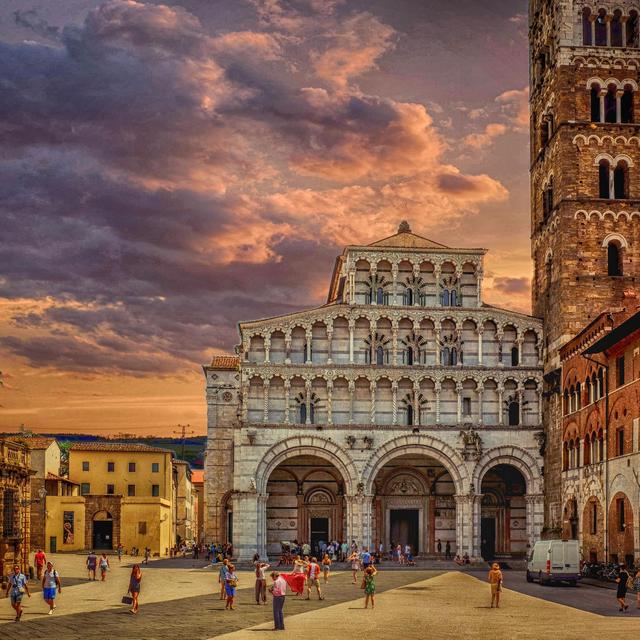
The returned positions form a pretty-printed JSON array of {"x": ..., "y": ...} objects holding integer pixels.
[{"x": 403, "y": 410}]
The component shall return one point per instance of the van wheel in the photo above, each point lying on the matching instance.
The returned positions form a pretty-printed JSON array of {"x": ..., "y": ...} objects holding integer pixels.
[
  {"x": 573, "y": 583},
  {"x": 529, "y": 577}
]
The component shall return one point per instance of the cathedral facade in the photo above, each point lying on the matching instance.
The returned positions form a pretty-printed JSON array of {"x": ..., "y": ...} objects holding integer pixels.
[
  {"x": 404, "y": 410},
  {"x": 585, "y": 199}
]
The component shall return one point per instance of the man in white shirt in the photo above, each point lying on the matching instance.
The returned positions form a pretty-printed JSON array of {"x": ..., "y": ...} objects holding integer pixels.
[
  {"x": 278, "y": 590},
  {"x": 313, "y": 578}
]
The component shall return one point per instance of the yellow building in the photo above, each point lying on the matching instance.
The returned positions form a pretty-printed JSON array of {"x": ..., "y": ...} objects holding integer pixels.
[{"x": 128, "y": 497}]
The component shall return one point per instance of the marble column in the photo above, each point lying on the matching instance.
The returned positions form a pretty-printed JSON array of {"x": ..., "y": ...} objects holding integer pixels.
[
  {"x": 265, "y": 402},
  {"x": 437, "y": 389},
  {"x": 394, "y": 402},
  {"x": 480, "y": 332},
  {"x": 500, "y": 405},
  {"x": 307, "y": 400},
  {"x": 308, "y": 345},
  {"x": 352, "y": 388},
  {"x": 394, "y": 343},
  {"x": 247, "y": 524},
  {"x": 329, "y": 346},
  {"x": 459, "y": 395},
  {"x": 479, "y": 391},
  {"x": 267, "y": 347},
  {"x": 287, "y": 392},
  {"x": 372, "y": 388},
  {"x": 416, "y": 404},
  {"x": 359, "y": 511},
  {"x": 287, "y": 347},
  {"x": 394, "y": 280},
  {"x": 329, "y": 401},
  {"x": 534, "y": 516},
  {"x": 352, "y": 326}
]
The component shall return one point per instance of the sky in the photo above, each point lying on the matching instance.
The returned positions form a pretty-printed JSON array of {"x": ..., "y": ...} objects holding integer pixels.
[{"x": 168, "y": 169}]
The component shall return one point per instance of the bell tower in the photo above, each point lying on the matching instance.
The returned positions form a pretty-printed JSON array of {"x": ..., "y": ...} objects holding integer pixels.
[{"x": 585, "y": 181}]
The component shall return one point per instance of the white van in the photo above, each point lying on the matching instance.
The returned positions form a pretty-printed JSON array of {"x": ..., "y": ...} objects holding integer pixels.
[{"x": 554, "y": 561}]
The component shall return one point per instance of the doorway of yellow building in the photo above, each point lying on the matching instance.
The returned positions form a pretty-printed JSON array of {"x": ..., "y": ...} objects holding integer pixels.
[{"x": 102, "y": 530}]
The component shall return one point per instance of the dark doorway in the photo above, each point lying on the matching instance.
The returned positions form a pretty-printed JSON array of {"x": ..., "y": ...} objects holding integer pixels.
[
  {"x": 405, "y": 528},
  {"x": 319, "y": 533},
  {"x": 230, "y": 526},
  {"x": 488, "y": 538},
  {"x": 103, "y": 534}
]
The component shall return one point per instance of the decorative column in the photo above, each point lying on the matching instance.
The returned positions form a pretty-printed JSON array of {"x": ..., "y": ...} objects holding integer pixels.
[
  {"x": 416, "y": 295},
  {"x": 500, "y": 403},
  {"x": 479, "y": 276},
  {"x": 352, "y": 388},
  {"x": 459, "y": 345},
  {"x": 534, "y": 517},
  {"x": 539, "y": 349},
  {"x": 352, "y": 325},
  {"x": 520, "y": 395},
  {"x": 437, "y": 389},
  {"x": 373, "y": 271},
  {"x": 539, "y": 396},
  {"x": 394, "y": 280},
  {"x": 307, "y": 400},
  {"x": 394, "y": 402},
  {"x": 437, "y": 334},
  {"x": 266, "y": 383},
  {"x": 245, "y": 400},
  {"x": 262, "y": 525},
  {"x": 499, "y": 337},
  {"x": 352, "y": 287},
  {"x": 287, "y": 347},
  {"x": 519, "y": 342},
  {"x": 359, "y": 509},
  {"x": 329, "y": 401},
  {"x": 372, "y": 388},
  {"x": 608, "y": 21},
  {"x": 437, "y": 272},
  {"x": 602, "y": 95},
  {"x": 287, "y": 391},
  {"x": 592, "y": 18},
  {"x": 480, "y": 408},
  {"x": 247, "y": 524},
  {"x": 245, "y": 347},
  {"x": 308, "y": 335},
  {"x": 432, "y": 524},
  {"x": 480, "y": 332},
  {"x": 464, "y": 525},
  {"x": 416, "y": 403},
  {"x": 623, "y": 20},
  {"x": 267, "y": 347},
  {"x": 329, "y": 343},
  {"x": 394, "y": 343},
  {"x": 619, "y": 106},
  {"x": 459, "y": 394}
]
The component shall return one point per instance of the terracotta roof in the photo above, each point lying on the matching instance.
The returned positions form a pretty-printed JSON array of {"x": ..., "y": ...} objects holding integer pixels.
[
  {"x": 132, "y": 447},
  {"x": 408, "y": 240},
  {"x": 197, "y": 476},
  {"x": 33, "y": 442},
  {"x": 53, "y": 476},
  {"x": 225, "y": 362}
]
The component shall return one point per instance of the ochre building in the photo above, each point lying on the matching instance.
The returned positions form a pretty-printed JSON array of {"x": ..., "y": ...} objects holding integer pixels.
[
  {"x": 404, "y": 410},
  {"x": 585, "y": 185},
  {"x": 601, "y": 437}
]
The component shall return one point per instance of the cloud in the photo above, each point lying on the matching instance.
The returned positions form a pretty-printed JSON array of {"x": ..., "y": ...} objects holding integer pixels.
[
  {"x": 512, "y": 285},
  {"x": 159, "y": 182},
  {"x": 486, "y": 138},
  {"x": 31, "y": 20},
  {"x": 515, "y": 106}
]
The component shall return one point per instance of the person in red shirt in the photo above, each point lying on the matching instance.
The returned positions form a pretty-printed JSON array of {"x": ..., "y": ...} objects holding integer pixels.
[
  {"x": 41, "y": 560},
  {"x": 313, "y": 578}
]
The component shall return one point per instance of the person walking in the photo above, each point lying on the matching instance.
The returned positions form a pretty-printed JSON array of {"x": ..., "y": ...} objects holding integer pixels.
[
  {"x": 120, "y": 549},
  {"x": 50, "y": 585},
  {"x": 636, "y": 586},
  {"x": 439, "y": 546},
  {"x": 92, "y": 562},
  {"x": 326, "y": 567},
  {"x": 447, "y": 551},
  {"x": 104, "y": 566},
  {"x": 313, "y": 578},
  {"x": 278, "y": 590},
  {"x": 230, "y": 584},
  {"x": 369, "y": 585},
  {"x": 134, "y": 586},
  {"x": 147, "y": 555},
  {"x": 40, "y": 560},
  {"x": 621, "y": 593},
  {"x": 495, "y": 580},
  {"x": 222, "y": 577},
  {"x": 261, "y": 581},
  {"x": 17, "y": 587},
  {"x": 354, "y": 559}
]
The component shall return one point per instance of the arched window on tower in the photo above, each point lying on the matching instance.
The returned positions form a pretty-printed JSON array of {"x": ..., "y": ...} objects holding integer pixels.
[
  {"x": 578, "y": 397},
  {"x": 626, "y": 105},
  {"x": 514, "y": 357},
  {"x": 379, "y": 355},
  {"x": 601, "y": 28},
  {"x": 610, "y": 105},
  {"x": 409, "y": 415},
  {"x": 514, "y": 413},
  {"x": 632, "y": 29},
  {"x": 566, "y": 402},
  {"x": 586, "y": 27},
  {"x": 545, "y": 133},
  {"x": 548, "y": 195},
  {"x": 616, "y": 29},
  {"x": 595, "y": 103},
  {"x": 621, "y": 181},
  {"x": 586, "y": 450},
  {"x": 603, "y": 179},
  {"x": 614, "y": 258}
]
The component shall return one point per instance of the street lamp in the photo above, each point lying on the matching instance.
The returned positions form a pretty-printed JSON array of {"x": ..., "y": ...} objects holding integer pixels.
[{"x": 42, "y": 492}]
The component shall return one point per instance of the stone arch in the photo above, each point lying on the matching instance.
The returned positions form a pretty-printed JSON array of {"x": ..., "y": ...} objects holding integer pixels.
[
  {"x": 615, "y": 237},
  {"x": 306, "y": 446},
  {"x": 417, "y": 445},
  {"x": 517, "y": 457}
]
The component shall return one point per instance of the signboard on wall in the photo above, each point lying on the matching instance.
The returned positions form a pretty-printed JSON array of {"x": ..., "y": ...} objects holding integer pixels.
[{"x": 68, "y": 527}]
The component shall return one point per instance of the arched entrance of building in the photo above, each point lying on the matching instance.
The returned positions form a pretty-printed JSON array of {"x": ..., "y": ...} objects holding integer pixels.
[
  {"x": 503, "y": 525},
  {"x": 621, "y": 529},
  {"x": 102, "y": 530},
  {"x": 305, "y": 503},
  {"x": 570, "y": 522},
  {"x": 414, "y": 504}
]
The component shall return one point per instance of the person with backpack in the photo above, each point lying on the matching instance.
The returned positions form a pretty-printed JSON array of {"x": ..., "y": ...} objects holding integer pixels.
[
  {"x": 104, "y": 566},
  {"x": 50, "y": 585},
  {"x": 17, "y": 587}
]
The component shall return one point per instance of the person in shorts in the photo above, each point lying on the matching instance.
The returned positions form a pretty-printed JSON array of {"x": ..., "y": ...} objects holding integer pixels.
[
  {"x": 313, "y": 578},
  {"x": 50, "y": 585},
  {"x": 495, "y": 580},
  {"x": 16, "y": 588},
  {"x": 40, "y": 559},
  {"x": 104, "y": 566},
  {"x": 92, "y": 563}
]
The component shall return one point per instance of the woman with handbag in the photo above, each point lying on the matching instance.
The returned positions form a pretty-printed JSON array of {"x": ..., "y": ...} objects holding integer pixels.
[
  {"x": 231, "y": 582},
  {"x": 622, "y": 580},
  {"x": 134, "y": 586},
  {"x": 17, "y": 585}
]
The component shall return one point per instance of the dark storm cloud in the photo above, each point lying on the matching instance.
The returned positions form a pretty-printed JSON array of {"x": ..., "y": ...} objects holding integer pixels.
[
  {"x": 31, "y": 20},
  {"x": 511, "y": 285}
]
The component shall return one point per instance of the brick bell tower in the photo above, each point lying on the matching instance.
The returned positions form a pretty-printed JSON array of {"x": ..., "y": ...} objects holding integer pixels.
[{"x": 585, "y": 182}]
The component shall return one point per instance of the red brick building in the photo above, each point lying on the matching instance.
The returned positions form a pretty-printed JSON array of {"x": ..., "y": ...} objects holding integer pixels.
[{"x": 601, "y": 436}]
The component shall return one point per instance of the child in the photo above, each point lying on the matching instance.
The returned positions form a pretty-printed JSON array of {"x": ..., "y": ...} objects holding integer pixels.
[
  {"x": 326, "y": 567},
  {"x": 369, "y": 584}
]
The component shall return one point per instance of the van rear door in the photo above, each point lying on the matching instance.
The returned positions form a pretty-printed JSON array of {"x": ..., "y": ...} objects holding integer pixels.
[{"x": 556, "y": 555}]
